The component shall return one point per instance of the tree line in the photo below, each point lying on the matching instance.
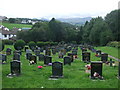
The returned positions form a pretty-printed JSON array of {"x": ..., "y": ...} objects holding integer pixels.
[{"x": 97, "y": 31}]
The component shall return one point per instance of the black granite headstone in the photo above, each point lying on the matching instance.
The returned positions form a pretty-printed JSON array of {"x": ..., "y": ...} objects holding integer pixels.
[
  {"x": 86, "y": 56},
  {"x": 8, "y": 51},
  {"x": 71, "y": 55},
  {"x": 33, "y": 59},
  {"x": 15, "y": 67},
  {"x": 47, "y": 59},
  {"x": 41, "y": 57},
  {"x": 98, "y": 53},
  {"x": 67, "y": 60},
  {"x": 28, "y": 55},
  {"x": 104, "y": 57},
  {"x": 57, "y": 70},
  {"x": 96, "y": 68}
]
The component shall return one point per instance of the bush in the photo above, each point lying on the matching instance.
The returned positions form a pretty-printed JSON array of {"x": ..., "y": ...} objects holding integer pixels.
[
  {"x": 32, "y": 45},
  {"x": 114, "y": 44},
  {"x": 19, "y": 44},
  {"x": 8, "y": 42},
  {"x": 2, "y": 45},
  {"x": 40, "y": 44}
]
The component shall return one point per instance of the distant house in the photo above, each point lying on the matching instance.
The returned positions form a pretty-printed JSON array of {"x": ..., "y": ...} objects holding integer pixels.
[
  {"x": 8, "y": 34},
  {"x": 24, "y": 22}
]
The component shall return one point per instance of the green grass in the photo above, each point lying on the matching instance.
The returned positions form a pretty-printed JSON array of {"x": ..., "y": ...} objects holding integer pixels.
[
  {"x": 110, "y": 50},
  {"x": 11, "y": 25},
  {"x": 74, "y": 75}
]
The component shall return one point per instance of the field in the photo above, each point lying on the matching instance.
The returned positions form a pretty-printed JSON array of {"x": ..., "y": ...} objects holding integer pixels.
[
  {"x": 74, "y": 75},
  {"x": 11, "y": 25}
]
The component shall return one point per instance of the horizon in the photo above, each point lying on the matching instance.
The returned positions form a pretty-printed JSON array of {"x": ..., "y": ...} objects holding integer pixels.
[{"x": 58, "y": 9}]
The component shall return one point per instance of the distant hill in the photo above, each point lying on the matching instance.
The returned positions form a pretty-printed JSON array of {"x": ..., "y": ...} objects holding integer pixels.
[{"x": 75, "y": 21}]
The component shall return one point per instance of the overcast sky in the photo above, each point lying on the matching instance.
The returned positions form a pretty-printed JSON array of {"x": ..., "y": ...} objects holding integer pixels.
[{"x": 56, "y": 8}]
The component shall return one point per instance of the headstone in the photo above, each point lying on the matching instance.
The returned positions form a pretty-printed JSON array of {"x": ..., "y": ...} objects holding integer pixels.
[
  {"x": 119, "y": 70},
  {"x": 48, "y": 52},
  {"x": 104, "y": 57},
  {"x": 67, "y": 60},
  {"x": 57, "y": 70},
  {"x": 37, "y": 52},
  {"x": 15, "y": 67},
  {"x": 71, "y": 56},
  {"x": 84, "y": 50},
  {"x": 98, "y": 53},
  {"x": 96, "y": 70},
  {"x": 8, "y": 51},
  {"x": 86, "y": 56},
  {"x": 53, "y": 51},
  {"x": 26, "y": 48},
  {"x": 28, "y": 51},
  {"x": 111, "y": 62},
  {"x": 41, "y": 57},
  {"x": 17, "y": 51},
  {"x": 4, "y": 58},
  {"x": 28, "y": 55},
  {"x": 16, "y": 56},
  {"x": 33, "y": 59},
  {"x": 60, "y": 54},
  {"x": 47, "y": 59}
]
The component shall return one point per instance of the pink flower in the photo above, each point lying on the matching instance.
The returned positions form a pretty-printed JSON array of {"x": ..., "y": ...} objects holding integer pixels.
[{"x": 40, "y": 67}]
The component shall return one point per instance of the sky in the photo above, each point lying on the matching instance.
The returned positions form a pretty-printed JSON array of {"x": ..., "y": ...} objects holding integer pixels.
[{"x": 56, "y": 8}]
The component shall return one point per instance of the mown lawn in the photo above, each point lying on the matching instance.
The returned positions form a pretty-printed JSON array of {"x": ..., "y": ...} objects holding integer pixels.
[
  {"x": 74, "y": 75},
  {"x": 11, "y": 25}
]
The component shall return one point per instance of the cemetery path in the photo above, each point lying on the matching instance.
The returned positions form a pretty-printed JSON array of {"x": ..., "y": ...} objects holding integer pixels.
[{"x": 114, "y": 58}]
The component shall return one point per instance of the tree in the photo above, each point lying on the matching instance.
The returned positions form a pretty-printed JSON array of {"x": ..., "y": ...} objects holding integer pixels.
[{"x": 12, "y": 20}]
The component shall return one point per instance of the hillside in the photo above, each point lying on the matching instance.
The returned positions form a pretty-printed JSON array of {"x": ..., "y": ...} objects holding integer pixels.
[
  {"x": 11, "y": 25},
  {"x": 75, "y": 21}
]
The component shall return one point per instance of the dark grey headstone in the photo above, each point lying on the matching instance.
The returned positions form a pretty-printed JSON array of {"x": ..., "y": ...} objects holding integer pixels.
[
  {"x": 96, "y": 67},
  {"x": 98, "y": 53},
  {"x": 67, "y": 60},
  {"x": 104, "y": 57},
  {"x": 84, "y": 50},
  {"x": 15, "y": 67},
  {"x": 47, "y": 59},
  {"x": 86, "y": 56},
  {"x": 17, "y": 51},
  {"x": 26, "y": 48},
  {"x": 57, "y": 70},
  {"x": 28, "y": 55},
  {"x": 4, "y": 58},
  {"x": 74, "y": 52},
  {"x": 71, "y": 55},
  {"x": 16, "y": 56},
  {"x": 41, "y": 57}
]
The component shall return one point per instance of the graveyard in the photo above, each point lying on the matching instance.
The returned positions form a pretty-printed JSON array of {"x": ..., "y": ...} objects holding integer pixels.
[{"x": 66, "y": 74}]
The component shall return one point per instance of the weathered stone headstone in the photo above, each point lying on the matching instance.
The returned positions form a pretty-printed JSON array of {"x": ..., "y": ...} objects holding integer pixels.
[
  {"x": 104, "y": 57},
  {"x": 96, "y": 70},
  {"x": 67, "y": 60},
  {"x": 8, "y": 51},
  {"x": 28, "y": 51},
  {"x": 33, "y": 59},
  {"x": 48, "y": 52},
  {"x": 57, "y": 70},
  {"x": 4, "y": 58},
  {"x": 84, "y": 50},
  {"x": 15, "y": 67},
  {"x": 16, "y": 56},
  {"x": 28, "y": 55},
  {"x": 37, "y": 52},
  {"x": 86, "y": 56},
  {"x": 60, "y": 54},
  {"x": 41, "y": 57},
  {"x": 17, "y": 51},
  {"x": 47, "y": 59},
  {"x": 53, "y": 51}
]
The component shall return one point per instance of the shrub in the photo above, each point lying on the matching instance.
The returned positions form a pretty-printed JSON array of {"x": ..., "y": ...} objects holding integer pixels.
[
  {"x": 2, "y": 45},
  {"x": 19, "y": 44},
  {"x": 40, "y": 44},
  {"x": 114, "y": 44},
  {"x": 32, "y": 45},
  {"x": 8, "y": 42}
]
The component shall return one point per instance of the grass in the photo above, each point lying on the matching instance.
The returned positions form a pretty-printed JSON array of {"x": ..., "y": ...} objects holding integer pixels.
[
  {"x": 110, "y": 50},
  {"x": 74, "y": 75},
  {"x": 11, "y": 25}
]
